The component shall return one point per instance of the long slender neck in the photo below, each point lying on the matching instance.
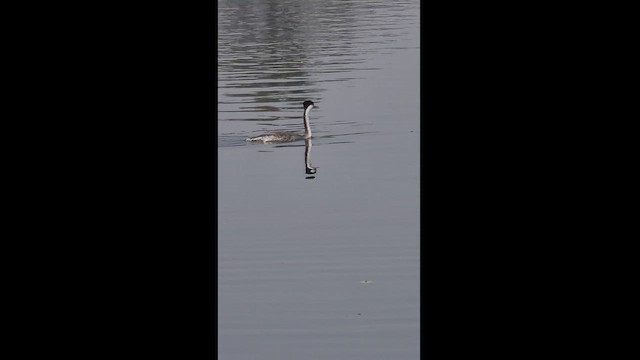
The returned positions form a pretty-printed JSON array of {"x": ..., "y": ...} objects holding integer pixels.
[{"x": 307, "y": 127}]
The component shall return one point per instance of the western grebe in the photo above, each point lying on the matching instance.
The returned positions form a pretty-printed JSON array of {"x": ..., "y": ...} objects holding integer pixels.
[{"x": 287, "y": 136}]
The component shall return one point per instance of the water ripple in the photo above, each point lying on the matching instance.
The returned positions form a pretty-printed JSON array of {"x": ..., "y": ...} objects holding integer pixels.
[{"x": 272, "y": 55}]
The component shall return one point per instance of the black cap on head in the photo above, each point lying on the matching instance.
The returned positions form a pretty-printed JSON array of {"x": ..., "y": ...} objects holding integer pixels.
[{"x": 307, "y": 103}]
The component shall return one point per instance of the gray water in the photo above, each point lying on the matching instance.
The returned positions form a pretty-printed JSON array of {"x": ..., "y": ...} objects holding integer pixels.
[{"x": 324, "y": 265}]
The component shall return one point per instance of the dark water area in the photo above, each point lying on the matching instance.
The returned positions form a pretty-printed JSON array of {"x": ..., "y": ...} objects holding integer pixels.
[{"x": 323, "y": 264}]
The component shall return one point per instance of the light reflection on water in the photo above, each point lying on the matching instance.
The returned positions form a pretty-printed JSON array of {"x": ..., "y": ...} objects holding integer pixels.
[
  {"x": 295, "y": 244},
  {"x": 273, "y": 55}
]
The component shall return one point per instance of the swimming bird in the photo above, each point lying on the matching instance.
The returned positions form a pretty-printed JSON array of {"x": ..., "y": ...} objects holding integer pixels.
[{"x": 286, "y": 136}]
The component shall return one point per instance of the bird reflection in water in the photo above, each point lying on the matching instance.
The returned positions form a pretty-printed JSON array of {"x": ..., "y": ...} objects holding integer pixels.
[{"x": 310, "y": 170}]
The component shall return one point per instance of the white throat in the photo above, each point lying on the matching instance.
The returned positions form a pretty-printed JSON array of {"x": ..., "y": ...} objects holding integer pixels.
[{"x": 307, "y": 127}]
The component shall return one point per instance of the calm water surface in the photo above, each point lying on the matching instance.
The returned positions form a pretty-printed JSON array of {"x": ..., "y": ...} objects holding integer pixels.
[{"x": 324, "y": 265}]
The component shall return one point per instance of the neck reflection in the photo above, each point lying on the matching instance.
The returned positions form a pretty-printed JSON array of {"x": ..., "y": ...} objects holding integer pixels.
[{"x": 307, "y": 159}]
